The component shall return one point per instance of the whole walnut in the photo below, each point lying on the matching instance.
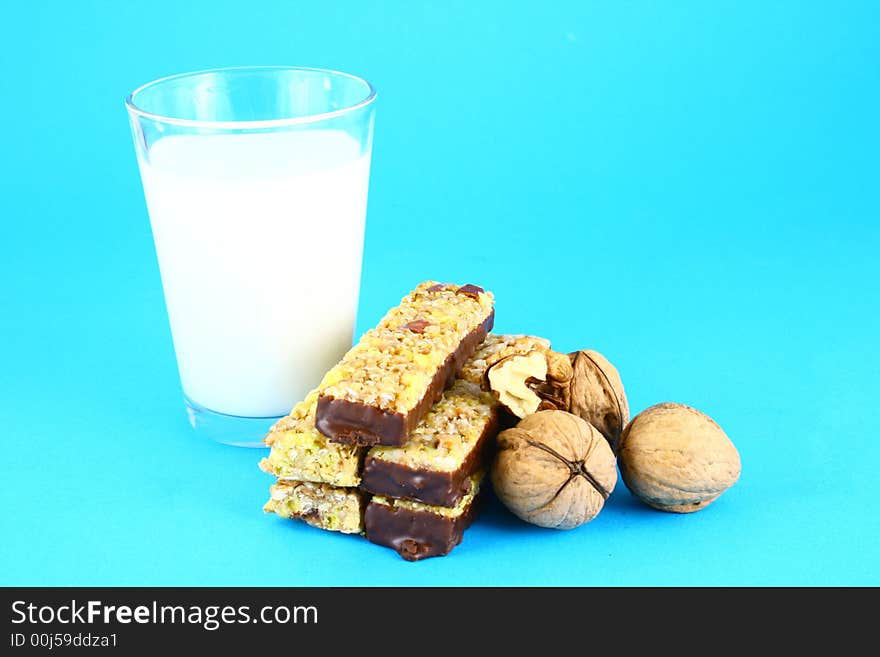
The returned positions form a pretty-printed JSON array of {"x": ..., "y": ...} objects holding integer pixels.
[
  {"x": 675, "y": 458},
  {"x": 553, "y": 469},
  {"x": 597, "y": 394},
  {"x": 583, "y": 383}
]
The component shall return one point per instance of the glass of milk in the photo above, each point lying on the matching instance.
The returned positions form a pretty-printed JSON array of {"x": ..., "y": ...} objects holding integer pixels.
[{"x": 256, "y": 186}]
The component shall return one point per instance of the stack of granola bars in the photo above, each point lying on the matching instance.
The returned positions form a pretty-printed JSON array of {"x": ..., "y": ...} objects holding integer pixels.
[{"x": 394, "y": 442}]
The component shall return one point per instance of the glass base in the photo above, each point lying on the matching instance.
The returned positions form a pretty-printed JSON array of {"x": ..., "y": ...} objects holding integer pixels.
[{"x": 228, "y": 429}]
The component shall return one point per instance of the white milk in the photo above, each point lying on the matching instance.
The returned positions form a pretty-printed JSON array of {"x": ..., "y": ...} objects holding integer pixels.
[{"x": 259, "y": 239}]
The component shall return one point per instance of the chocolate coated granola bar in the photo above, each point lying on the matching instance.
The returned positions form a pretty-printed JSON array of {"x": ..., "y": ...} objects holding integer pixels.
[
  {"x": 417, "y": 531},
  {"x": 386, "y": 384},
  {"x": 300, "y": 452},
  {"x": 435, "y": 464},
  {"x": 326, "y": 507}
]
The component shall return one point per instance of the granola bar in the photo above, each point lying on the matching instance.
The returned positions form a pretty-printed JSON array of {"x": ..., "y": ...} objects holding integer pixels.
[
  {"x": 300, "y": 452},
  {"x": 326, "y": 507},
  {"x": 435, "y": 464},
  {"x": 386, "y": 384},
  {"x": 417, "y": 531}
]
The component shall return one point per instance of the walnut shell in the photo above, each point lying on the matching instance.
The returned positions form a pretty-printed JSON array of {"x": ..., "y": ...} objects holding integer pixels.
[
  {"x": 553, "y": 469},
  {"x": 597, "y": 395},
  {"x": 675, "y": 458}
]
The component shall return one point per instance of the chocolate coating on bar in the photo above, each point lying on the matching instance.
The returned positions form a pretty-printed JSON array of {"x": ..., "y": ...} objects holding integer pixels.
[
  {"x": 433, "y": 487},
  {"x": 416, "y": 535},
  {"x": 346, "y": 422},
  {"x": 343, "y": 421}
]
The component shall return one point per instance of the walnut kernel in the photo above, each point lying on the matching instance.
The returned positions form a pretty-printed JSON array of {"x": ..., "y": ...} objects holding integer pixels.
[{"x": 510, "y": 378}]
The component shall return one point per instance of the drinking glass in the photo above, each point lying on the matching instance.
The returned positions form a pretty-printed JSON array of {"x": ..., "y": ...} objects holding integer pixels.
[{"x": 255, "y": 181}]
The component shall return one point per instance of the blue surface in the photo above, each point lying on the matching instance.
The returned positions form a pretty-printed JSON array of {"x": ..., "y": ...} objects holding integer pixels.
[{"x": 690, "y": 188}]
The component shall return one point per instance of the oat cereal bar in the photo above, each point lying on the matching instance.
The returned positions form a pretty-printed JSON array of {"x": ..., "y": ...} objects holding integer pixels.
[
  {"x": 386, "y": 384},
  {"x": 300, "y": 452},
  {"x": 417, "y": 531},
  {"x": 435, "y": 464},
  {"x": 326, "y": 507}
]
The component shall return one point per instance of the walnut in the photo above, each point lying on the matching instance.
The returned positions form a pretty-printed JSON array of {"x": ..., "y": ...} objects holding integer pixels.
[
  {"x": 583, "y": 383},
  {"x": 597, "y": 394},
  {"x": 675, "y": 458},
  {"x": 553, "y": 469}
]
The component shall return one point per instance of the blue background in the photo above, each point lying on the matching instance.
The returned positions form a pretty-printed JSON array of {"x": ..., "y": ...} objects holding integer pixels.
[{"x": 690, "y": 188}]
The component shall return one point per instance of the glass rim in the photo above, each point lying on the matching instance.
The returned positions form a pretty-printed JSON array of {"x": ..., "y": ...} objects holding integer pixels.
[{"x": 280, "y": 122}]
